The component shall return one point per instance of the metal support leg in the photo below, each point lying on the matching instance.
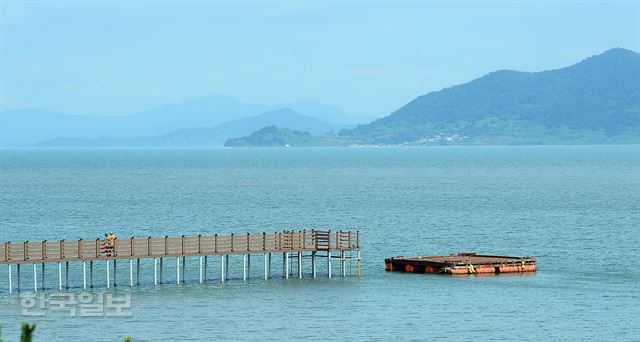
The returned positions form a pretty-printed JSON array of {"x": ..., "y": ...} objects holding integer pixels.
[
  {"x": 226, "y": 267},
  {"x": 299, "y": 265},
  {"x": 178, "y": 270},
  {"x": 66, "y": 275},
  {"x": 343, "y": 268},
  {"x": 18, "y": 276},
  {"x": 84, "y": 275},
  {"x": 248, "y": 266},
  {"x": 35, "y": 278},
  {"x": 10, "y": 281},
  {"x": 222, "y": 268},
  {"x": 201, "y": 271},
  {"x": 286, "y": 263},
  {"x": 244, "y": 267},
  {"x": 138, "y": 272},
  {"x": 130, "y": 272},
  {"x": 205, "y": 269},
  {"x": 358, "y": 256},
  {"x": 329, "y": 264},
  {"x": 107, "y": 271},
  {"x": 115, "y": 272},
  {"x": 184, "y": 264},
  {"x": 161, "y": 268},
  {"x": 91, "y": 274},
  {"x": 269, "y": 267},
  {"x": 313, "y": 264},
  {"x": 43, "y": 273},
  {"x": 266, "y": 260},
  {"x": 155, "y": 271},
  {"x": 60, "y": 276}
]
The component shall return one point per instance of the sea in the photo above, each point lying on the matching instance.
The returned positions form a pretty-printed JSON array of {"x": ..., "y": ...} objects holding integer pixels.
[{"x": 574, "y": 208}]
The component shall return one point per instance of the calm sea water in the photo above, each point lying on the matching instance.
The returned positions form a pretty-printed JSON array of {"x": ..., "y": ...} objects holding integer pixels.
[{"x": 575, "y": 208}]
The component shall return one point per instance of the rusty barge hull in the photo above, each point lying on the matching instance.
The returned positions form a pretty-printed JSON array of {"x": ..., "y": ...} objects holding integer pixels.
[{"x": 462, "y": 264}]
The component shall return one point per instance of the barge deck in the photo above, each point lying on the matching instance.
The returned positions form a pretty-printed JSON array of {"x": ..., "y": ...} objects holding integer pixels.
[{"x": 462, "y": 264}]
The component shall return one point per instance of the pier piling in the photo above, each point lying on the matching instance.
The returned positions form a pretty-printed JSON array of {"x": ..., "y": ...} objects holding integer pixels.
[
  {"x": 60, "y": 276},
  {"x": 35, "y": 278},
  {"x": 84, "y": 275},
  {"x": 130, "y": 272},
  {"x": 178, "y": 271},
  {"x": 107, "y": 273},
  {"x": 10, "y": 281},
  {"x": 222, "y": 268},
  {"x": 299, "y": 265},
  {"x": 244, "y": 267}
]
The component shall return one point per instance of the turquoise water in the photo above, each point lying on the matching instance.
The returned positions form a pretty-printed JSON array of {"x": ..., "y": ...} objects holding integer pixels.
[{"x": 575, "y": 208}]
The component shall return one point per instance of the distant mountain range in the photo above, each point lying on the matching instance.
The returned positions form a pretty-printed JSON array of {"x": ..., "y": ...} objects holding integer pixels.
[
  {"x": 27, "y": 127},
  {"x": 206, "y": 136},
  {"x": 596, "y": 101}
]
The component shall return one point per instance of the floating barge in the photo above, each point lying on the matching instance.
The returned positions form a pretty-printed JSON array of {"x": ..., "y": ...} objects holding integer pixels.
[{"x": 462, "y": 264}]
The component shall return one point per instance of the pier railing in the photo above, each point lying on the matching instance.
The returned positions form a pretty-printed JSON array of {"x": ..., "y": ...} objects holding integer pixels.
[{"x": 157, "y": 247}]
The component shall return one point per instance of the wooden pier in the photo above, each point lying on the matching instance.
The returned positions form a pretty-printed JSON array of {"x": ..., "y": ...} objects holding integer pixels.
[
  {"x": 294, "y": 245},
  {"x": 462, "y": 264}
]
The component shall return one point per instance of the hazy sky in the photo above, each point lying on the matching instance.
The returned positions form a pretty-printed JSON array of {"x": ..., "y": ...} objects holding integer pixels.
[{"x": 367, "y": 58}]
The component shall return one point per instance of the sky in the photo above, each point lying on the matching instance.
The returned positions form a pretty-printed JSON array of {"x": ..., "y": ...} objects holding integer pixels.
[{"x": 366, "y": 57}]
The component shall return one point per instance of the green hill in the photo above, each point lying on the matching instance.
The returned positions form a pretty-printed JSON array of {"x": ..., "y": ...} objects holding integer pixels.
[
  {"x": 594, "y": 101},
  {"x": 273, "y": 136}
]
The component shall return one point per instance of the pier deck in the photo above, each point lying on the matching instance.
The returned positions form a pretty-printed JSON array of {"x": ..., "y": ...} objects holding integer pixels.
[
  {"x": 292, "y": 244},
  {"x": 462, "y": 263}
]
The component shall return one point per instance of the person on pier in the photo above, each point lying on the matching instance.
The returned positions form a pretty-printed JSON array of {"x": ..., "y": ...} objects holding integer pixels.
[{"x": 109, "y": 243}]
